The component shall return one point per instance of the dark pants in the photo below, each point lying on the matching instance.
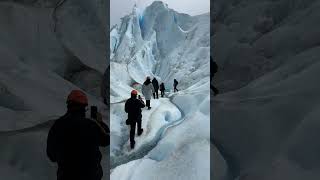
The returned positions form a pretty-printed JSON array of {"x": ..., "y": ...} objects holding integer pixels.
[
  {"x": 175, "y": 89},
  {"x": 162, "y": 93},
  {"x": 155, "y": 94},
  {"x": 133, "y": 129},
  {"x": 148, "y": 103}
]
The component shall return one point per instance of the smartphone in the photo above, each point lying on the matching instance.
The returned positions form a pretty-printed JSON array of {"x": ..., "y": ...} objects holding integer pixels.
[{"x": 94, "y": 112}]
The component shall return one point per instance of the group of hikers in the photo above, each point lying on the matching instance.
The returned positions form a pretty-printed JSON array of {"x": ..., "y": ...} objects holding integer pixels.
[
  {"x": 151, "y": 88},
  {"x": 134, "y": 105},
  {"x": 73, "y": 141}
]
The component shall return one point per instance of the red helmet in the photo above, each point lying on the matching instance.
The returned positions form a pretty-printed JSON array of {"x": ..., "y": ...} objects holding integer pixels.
[
  {"x": 134, "y": 92},
  {"x": 77, "y": 96}
]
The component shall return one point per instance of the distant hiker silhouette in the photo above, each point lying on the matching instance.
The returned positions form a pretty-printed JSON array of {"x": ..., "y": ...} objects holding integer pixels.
[
  {"x": 73, "y": 141},
  {"x": 162, "y": 89},
  {"x": 175, "y": 84},
  {"x": 213, "y": 70},
  {"x": 133, "y": 108},
  {"x": 147, "y": 91},
  {"x": 156, "y": 88}
]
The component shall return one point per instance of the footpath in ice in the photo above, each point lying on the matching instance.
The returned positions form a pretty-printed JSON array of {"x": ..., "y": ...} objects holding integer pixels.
[
  {"x": 181, "y": 151},
  {"x": 154, "y": 122},
  {"x": 161, "y": 113}
]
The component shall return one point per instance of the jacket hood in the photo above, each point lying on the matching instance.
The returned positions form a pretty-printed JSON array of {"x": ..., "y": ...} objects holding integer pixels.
[{"x": 147, "y": 82}]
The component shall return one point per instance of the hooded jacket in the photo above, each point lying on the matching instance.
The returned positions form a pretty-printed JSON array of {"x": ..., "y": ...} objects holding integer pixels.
[
  {"x": 155, "y": 84},
  {"x": 147, "y": 89},
  {"x": 162, "y": 88}
]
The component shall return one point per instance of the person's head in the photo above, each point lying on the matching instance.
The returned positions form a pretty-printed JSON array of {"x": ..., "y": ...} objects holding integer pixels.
[
  {"x": 134, "y": 94},
  {"x": 148, "y": 80},
  {"x": 77, "y": 101}
]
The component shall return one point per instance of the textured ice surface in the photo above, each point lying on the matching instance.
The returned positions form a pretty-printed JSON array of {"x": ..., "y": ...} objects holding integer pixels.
[
  {"x": 175, "y": 143},
  {"x": 39, "y": 66},
  {"x": 268, "y": 52}
]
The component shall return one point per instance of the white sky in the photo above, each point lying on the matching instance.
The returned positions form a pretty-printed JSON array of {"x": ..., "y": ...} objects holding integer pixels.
[{"x": 120, "y": 8}]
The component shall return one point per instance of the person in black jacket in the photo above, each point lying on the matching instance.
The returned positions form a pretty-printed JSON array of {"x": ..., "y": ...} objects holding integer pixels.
[
  {"x": 162, "y": 89},
  {"x": 175, "y": 84},
  {"x": 156, "y": 88},
  {"x": 73, "y": 141},
  {"x": 213, "y": 70},
  {"x": 133, "y": 108}
]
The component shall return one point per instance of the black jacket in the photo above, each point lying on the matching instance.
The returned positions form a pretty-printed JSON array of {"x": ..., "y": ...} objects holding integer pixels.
[
  {"x": 73, "y": 142},
  {"x": 133, "y": 108},
  {"x": 155, "y": 84},
  {"x": 162, "y": 88},
  {"x": 175, "y": 83}
]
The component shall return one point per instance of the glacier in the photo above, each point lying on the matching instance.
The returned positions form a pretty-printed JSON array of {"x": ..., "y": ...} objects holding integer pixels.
[
  {"x": 265, "y": 122},
  {"x": 160, "y": 42},
  {"x": 47, "y": 49}
]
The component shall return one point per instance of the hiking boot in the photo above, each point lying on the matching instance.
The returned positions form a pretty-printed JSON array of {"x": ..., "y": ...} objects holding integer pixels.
[
  {"x": 140, "y": 132},
  {"x": 149, "y": 108},
  {"x": 132, "y": 144}
]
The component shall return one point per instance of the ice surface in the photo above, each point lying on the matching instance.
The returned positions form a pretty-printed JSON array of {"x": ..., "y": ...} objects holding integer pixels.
[
  {"x": 39, "y": 66},
  {"x": 182, "y": 153},
  {"x": 175, "y": 143},
  {"x": 268, "y": 54}
]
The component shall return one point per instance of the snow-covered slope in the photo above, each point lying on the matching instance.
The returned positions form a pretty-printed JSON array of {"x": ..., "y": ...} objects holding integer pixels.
[
  {"x": 267, "y": 127},
  {"x": 46, "y": 49},
  {"x": 159, "y": 42}
]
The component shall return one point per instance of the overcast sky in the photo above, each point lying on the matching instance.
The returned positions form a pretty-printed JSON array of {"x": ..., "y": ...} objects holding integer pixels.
[{"x": 120, "y": 8}]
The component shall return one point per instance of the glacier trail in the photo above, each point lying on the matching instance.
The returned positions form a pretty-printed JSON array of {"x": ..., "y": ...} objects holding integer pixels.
[
  {"x": 163, "y": 115},
  {"x": 162, "y": 43}
]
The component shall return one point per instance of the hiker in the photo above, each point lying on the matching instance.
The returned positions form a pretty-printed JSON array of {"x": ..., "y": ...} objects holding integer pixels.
[
  {"x": 213, "y": 70},
  {"x": 156, "y": 88},
  {"x": 133, "y": 108},
  {"x": 175, "y": 84},
  {"x": 74, "y": 140},
  {"x": 162, "y": 89},
  {"x": 147, "y": 91}
]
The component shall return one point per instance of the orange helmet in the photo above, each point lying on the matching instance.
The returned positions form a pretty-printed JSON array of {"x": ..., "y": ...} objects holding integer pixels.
[
  {"x": 77, "y": 96},
  {"x": 134, "y": 92}
]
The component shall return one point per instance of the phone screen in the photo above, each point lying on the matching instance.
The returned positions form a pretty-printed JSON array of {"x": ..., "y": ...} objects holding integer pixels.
[{"x": 94, "y": 111}]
